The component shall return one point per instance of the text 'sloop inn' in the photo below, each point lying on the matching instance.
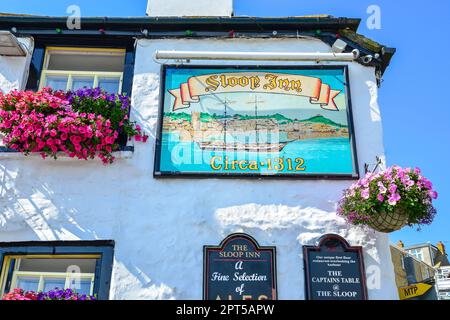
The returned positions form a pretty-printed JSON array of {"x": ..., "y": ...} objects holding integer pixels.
[
  {"x": 239, "y": 269},
  {"x": 259, "y": 82}
]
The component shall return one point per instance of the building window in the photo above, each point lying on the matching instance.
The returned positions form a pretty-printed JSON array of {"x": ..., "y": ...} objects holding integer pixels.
[
  {"x": 84, "y": 266},
  {"x": 75, "y": 68},
  {"x": 417, "y": 253},
  {"x": 42, "y": 273},
  {"x": 427, "y": 273}
]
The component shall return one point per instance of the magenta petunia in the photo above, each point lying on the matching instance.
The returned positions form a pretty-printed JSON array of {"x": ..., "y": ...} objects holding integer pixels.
[
  {"x": 79, "y": 123},
  {"x": 395, "y": 191}
]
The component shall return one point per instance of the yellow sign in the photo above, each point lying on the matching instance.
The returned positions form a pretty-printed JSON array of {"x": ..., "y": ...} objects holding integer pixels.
[{"x": 414, "y": 290}]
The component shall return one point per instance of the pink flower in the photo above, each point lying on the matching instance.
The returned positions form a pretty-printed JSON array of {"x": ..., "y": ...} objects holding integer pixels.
[
  {"x": 109, "y": 140},
  {"x": 381, "y": 187},
  {"x": 433, "y": 194},
  {"x": 365, "y": 194},
  {"x": 392, "y": 188},
  {"x": 46, "y": 122},
  {"x": 427, "y": 183},
  {"x": 380, "y": 197},
  {"x": 393, "y": 199},
  {"x": 75, "y": 139}
]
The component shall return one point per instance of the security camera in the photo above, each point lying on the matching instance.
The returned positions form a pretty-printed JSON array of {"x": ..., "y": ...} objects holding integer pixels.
[
  {"x": 355, "y": 53},
  {"x": 367, "y": 59}
]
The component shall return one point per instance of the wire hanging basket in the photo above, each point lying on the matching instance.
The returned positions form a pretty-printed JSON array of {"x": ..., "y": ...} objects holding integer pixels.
[{"x": 387, "y": 222}]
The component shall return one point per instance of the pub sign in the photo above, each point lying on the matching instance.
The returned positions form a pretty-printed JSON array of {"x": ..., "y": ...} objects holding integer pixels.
[
  {"x": 255, "y": 121},
  {"x": 239, "y": 269},
  {"x": 334, "y": 270}
]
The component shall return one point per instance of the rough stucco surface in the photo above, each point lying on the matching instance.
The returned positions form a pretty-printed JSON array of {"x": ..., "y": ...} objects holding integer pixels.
[
  {"x": 160, "y": 226},
  {"x": 13, "y": 70}
]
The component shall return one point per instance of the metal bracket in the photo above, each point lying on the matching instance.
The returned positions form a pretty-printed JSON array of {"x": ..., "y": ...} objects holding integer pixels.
[{"x": 366, "y": 165}]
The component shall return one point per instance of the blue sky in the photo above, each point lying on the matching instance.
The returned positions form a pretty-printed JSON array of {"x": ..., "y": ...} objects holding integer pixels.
[{"x": 415, "y": 110}]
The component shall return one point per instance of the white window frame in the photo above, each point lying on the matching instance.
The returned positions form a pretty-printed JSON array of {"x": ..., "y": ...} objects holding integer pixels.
[
  {"x": 70, "y": 74},
  {"x": 68, "y": 276},
  {"x": 416, "y": 253}
]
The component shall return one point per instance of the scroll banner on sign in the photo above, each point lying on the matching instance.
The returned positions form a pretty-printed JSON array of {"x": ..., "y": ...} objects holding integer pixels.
[{"x": 319, "y": 93}]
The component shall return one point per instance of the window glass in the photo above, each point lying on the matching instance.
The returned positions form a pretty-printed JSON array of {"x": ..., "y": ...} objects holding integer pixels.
[
  {"x": 417, "y": 253},
  {"x": 84, "y": 266},
  {"x": 82, "y": 286},
  {"x": 80, "y": 68},
  {"x": 85, "y": 60},
  {"x": 53, "y": 283},
  {"x": 109, "y": 84},
  {"x": 45, "y": 274},
  {"x": 27, "y": 283},
  {"x": 81, "y": 82},
  {"x": 57, "y": 265},
  {"x": 56, "y": 82}
]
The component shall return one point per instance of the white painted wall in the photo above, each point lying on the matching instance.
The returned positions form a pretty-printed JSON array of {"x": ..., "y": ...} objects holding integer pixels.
[
  {"x": 195, "y": 8},
  {"x": 160, "y": 226},
  {"x": 14, "y": 70}
]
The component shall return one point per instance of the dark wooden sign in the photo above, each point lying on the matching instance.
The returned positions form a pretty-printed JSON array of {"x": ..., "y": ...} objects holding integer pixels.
[
  {"x": 239, "y": 269},
  {"x": 334, "y": 270}
]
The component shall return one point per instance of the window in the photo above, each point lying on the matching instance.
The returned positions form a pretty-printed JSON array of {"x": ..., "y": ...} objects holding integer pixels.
[
  {"x": 84, "y": 266},
  {"x": 417, "y": 253},
  {"x": 427, "y": 273},
  {"x": 48, "y": 273},
  {"x": 75, "y": 68}
]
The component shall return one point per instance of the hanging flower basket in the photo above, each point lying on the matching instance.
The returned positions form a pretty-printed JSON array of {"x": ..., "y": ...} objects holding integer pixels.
[
  {"x": 389, "y": 200},
  {"x": 85, "y": 124}
]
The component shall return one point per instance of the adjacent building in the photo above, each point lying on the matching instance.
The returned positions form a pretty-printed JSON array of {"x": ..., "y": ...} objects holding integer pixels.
[{"x": 422, "y": 263}]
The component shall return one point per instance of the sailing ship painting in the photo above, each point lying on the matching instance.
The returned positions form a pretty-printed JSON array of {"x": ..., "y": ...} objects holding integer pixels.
[
  {"x": 241, "y": 121},
  {"x": 234, "y": 145}
]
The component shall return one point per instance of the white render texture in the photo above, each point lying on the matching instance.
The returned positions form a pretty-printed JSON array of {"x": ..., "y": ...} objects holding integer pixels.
[
  {"x": 14, "y": 70},
  {"x": 161, "y": 225},
  {"x": 183, "y": 8}
]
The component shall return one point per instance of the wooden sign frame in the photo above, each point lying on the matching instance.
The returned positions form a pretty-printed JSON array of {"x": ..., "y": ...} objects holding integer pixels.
[
  {"x": 233, "y": 237},
  {"x": 330, "y": 238}
]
